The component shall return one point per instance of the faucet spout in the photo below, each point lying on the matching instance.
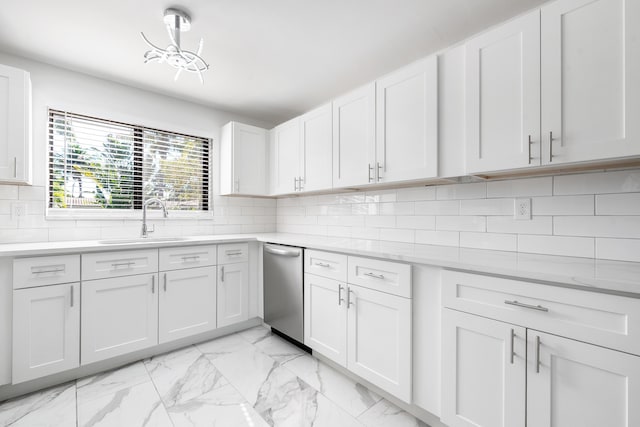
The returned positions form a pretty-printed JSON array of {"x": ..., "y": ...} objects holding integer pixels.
[{"x": 145, "y": 228}]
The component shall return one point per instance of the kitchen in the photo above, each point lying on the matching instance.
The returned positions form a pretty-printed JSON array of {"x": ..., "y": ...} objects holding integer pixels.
[{"x": 440, "y": 227}]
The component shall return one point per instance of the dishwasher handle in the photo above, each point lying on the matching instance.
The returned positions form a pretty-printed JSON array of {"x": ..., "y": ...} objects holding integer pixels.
[{"x": 282, "y": 252}]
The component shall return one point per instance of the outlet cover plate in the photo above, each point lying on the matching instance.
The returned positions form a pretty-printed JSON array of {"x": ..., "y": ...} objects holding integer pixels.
[{"x": 522, "y": 209}]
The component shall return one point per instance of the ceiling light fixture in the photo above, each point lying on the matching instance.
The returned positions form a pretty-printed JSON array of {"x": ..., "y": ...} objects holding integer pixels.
[{"x": 177, "y": 21}]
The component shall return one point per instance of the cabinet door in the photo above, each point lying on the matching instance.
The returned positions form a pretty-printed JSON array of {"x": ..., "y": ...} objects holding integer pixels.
[
  {"x": 187, "y": 303},
  {"x": 483, "y": 372},
  {"x": 590, "y": 79},
  {"x": 249, "y": 160},
  {"x": 15, "y": 122},
  {"x": 570, "y": 383},
  {"x": 316, "y": 138},
  {"x": 354, "y": 129},
  {"x": 325, "y": 317},
  {"x": 503, "y": 96},
  {"x": 407, "y": 123},
  {"x": 233, "y": 293},
  {"x": 287, "y": 155},
  {"x": 379, "y": 339},
  {"x": 46, "y": 331},
  {"x": 119, "y": 315}
]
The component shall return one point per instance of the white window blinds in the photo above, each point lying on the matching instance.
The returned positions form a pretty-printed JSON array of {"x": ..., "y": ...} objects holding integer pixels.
[{"x": 103, "y": 164}]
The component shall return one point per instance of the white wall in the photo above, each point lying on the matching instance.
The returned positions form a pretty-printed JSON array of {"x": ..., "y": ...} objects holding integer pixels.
[
  {"x": 592, "y": 215},
  {"x": 63, "y": 89}
]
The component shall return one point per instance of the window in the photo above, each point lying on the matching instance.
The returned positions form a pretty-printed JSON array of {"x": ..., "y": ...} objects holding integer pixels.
[{"x": 101, "y": 164}]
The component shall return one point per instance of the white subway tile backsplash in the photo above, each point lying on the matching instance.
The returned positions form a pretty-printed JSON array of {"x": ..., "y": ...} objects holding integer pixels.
[
  {"x": 618, "y": 249},
  {"x": 24, "y": 235},
  {"x": 66, "y": 234},
  {"x": 507, "y": 224},
  {"x": 618, "y": 204},
  {"x": 368, "y": 233},
  {"x": 339, "y": 210},
  {"x": 557, "y": 245},
  {"x": 397, "y": 208},
  {"x": 598, "y": 226},
  {"x": 338, "y": 231},
  {"x": 487, "y": 207},
  {"x": 521, "y": 187},
  {"x": 494, "y": 241},
  {"x": 30, "y": 192},
  {"x": 563, "y": 205},
  {"x": 380, "y": 221},
  {"x": 418, "y": 222},
  {"x": 444, "y": 238},
  {"x": 397, "y": 235},
  {"x": 348, "y": 220},
  {"x": 291, "y": 210},
  {"x": 8, "y": 192},
  {"x": 476, "y": 190},
  {"x": 451, "y": 207},
  {"x": 6, "y": 221},
  {"x": 365, "y": 209},
  {"x": 461, "y": 223},
  {"x": 381, "y": 196},
  {"x": 414, "y": 194},
  {"x": 597, "y": 183}
]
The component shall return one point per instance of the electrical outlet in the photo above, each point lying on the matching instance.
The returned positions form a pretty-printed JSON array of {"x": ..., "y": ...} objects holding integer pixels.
[
  {"x": 18, "y": 209},
  {"x": 522, "y": 209}
]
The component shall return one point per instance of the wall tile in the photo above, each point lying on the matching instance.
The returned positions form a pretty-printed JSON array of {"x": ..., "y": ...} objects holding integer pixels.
[
  {"x": 397, "y": 235},
  {"x": 368, "y": 233},
  {"x": 444, "y": 238},
  {"x": 349, "y": 220},
  {"x": 380, "y": 221},
  {"x": 451, "y": 207},
  {"x": 487, "y": 207},
  {"x": 338, "y": 231},
  {"x": 557, "y": 245},
  {"x": 413, "y": 194},
  {"x": 507, "y": 224},
  {"x": 521, "y": 187},
  {"x": 494, "y": 241},
  {"x": 24, "y": 235},
  {"x": 365, "y": 209},
  {"x": 380, "y": 196},
  {"x": 8, "y": 192},
  {"x": 398, "y": 208},
  {"x": 597, "y": 226},
  {"x": 618, "y": 204},
  {"x": 461, "y": 223},
  {"x": 618, "y": 249},
  {"x": 418, "y": 222},
  {"x": 563, "y": 205},
  {"x": 474, "y": 190},
  {"x": 65, "y": 234},
  {"x": 30, "y": 192},
  {"x": 597, "y": 183}
]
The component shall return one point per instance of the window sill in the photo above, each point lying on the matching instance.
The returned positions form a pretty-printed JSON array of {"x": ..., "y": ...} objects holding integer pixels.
[{"x": 53, "y": 214}]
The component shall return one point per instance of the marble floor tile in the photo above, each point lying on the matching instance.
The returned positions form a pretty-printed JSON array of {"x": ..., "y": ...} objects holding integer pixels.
[
  {"x": 279, "y": 349},
  {"x": 54, "y": 407},
  {"x": 340, "y": 389},
  {"x": 255, "y": 334},
  {"x": 386, "y": 414},
  {"x": 223, "y": 406},
  {"x": 139, "y": 406},
  {"x": 223, "y": 346},
  {"x": 182, "y": 375},
  {"x": 109, "y": 382}
]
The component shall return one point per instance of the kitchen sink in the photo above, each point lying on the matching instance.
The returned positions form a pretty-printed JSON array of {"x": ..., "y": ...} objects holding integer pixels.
[{"x": 142, "y": 240}]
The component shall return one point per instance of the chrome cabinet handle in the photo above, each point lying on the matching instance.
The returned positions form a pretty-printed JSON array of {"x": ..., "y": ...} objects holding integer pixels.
[
  {"x": 188, "y": 257},
  {"x": 282, "y": 252},
  {"x": 165, "y": 282},
  {"x": 537, "y": 354},
  {"x": 375, "y": 276},
  {"x": 300, "y": 183},
  {"x": 349, "y": 292},
  {"x": 153, "y": 284},
  {"x": 530, "y": 142},
  {"x": 233, "y": 253},
  {"x": 72, "y": 295},
  {"x": 513, "y": 336},
  {"x": 55, "y": 270},
  {"x": 295, "y": 183},
  {"x": 523, "y": 305},
  {"x": 370, "y": 170},
  {"x": 379, "y": 169},
  {"x": 118, "y": 264},
  {"x": 340, "y": 299},
  {"x": 323, "y": 264},
  {"x": 222, "y": 274},
  {"x": 15, "y": 167},
  {"x": 550, "y": 146}
]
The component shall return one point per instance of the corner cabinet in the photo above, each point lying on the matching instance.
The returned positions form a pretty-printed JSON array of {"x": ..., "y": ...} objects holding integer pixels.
[
  {"x": 243, "y": 160},
  {"x": 15, "y": 122}
]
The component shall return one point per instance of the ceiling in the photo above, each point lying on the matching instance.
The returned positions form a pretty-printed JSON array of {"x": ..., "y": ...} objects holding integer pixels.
[{"x": 270, "y": 59}]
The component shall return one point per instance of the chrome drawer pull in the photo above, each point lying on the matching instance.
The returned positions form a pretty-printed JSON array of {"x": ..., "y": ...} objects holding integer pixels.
[
  {"x": 537, "y": 355},
  {"x": 375, "y": 276},
  {"x": 55, "y": 270},
  {"x": 513, "y": 336},
  {"x": 349, "y": 303},
  {"x": 153, "y": 284},
  {"x": 222, "y": 274},
  {"x": 71, "y": 295},
  {"x": 233, "y": 253},
  {"x": 193, "y": 257},
  {"x": 118, "y": 264},
  {"x": 370, "y": 170},
  {"x": 523, "y": 305},
  {"x": 340, "y": 299},
  {"x": 323, "y": 264},
  {"x": 165, "y": 282}
]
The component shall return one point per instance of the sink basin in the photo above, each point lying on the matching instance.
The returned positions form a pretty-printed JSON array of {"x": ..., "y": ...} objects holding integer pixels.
[{"x": 141, "y": 240}]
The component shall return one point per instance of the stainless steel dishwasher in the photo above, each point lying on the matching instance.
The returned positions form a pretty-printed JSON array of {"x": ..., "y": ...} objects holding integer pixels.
[{"x": 283, "y": 290}]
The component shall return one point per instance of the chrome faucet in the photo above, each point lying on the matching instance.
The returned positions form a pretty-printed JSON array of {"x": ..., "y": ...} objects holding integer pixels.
[{"x": 145, "y": 228}]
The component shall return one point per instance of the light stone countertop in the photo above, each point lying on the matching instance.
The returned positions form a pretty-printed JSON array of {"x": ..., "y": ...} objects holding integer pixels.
[{"x": 615, "y": 277}]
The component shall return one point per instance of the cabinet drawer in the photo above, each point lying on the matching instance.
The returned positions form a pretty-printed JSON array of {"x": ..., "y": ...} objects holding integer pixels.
[
  {"x": 385, "y": 276},
  {"x": 115, "y": 264},
  {"x": 233, "y": 252},
  {"x": 191, "y": 256},
  {"x": 46, "y": 270},
  {"x": 326, "y": 264},
  {"x": 608, "y": 320}
]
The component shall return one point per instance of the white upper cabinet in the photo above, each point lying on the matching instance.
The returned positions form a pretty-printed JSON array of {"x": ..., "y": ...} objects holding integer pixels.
[
  {"x": 286, "y": 153},
  {"x": 243, "y": 160},
  {"x": 503, "y": 96},
  {"x": 407, "y": 123},
  {"x": 354, "y": 128},
  {"x": 316, "y": 151},
  {"x": 590, "y": 80},
  {"x": 15, "y": 126}
]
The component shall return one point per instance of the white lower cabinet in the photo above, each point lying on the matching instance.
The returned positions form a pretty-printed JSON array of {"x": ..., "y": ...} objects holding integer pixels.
[
  {"x": 187, "y": 303},
  {"x": 119, "y": 316},
  {"x": 483, "y": 371},
  {"x": 233, "y": 293},
  {"x": 46, "y": 331},
  {"x": 325, "y": 317},
  {"x": 571, "y": 383}
]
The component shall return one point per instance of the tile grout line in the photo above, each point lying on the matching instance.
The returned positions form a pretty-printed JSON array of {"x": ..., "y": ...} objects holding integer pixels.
[{"x": 156, "y": 389}]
